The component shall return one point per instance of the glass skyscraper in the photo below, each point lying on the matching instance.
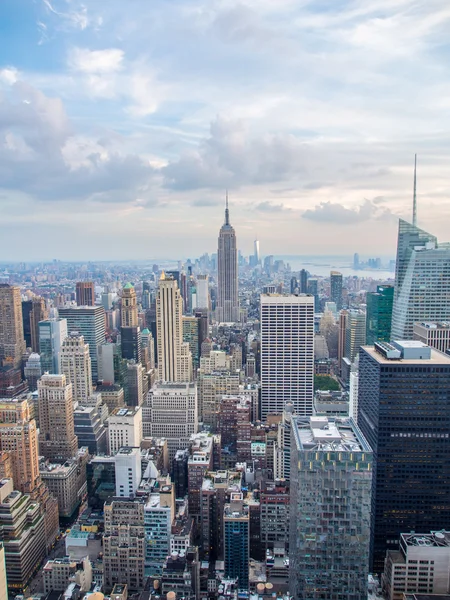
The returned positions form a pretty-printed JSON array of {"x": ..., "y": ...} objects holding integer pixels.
[
  {"x": 379, "y": 314},
  {"x": 404, "y": 413},
  {"x": 336, "y": 288},
  {"x": 422, "y": 281}
]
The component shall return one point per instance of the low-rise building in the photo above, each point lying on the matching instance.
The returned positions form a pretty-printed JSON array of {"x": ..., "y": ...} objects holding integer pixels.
[{"x": 59, "y": 572}]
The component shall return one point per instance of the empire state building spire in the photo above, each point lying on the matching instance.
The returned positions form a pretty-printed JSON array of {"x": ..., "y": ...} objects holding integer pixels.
[{"x": 227, "y": 310}]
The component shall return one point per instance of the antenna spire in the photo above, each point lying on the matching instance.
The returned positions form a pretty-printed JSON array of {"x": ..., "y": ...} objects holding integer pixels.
[
  {"x": 227, "y": 212},
  {"x": 415, "y": 195}
]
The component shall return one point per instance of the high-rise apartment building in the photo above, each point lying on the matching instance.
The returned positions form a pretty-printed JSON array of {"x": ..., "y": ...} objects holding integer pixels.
[
  {"x": 57, "y": 439},
  {"x": 12, "y": 342},
  {"x": 331, "y": 487},
  {"x": 76, "y": 366},
  {"x": 355, "y": 334},
  {"x": 422, "y": 280},
  {"x": 174, "y": 356},
  {"x": 287, "y": 353},
  {"x": 159, "y": 512},
  {"x": 52, "y": 333},
  {"x": 236, "y": 525},
  {"x": 85, "y": 293},
  {"x": 89, "y": 321},
  {"x": 33, "y": 371},
  {"x": 379, "y": 314},
  {"x": 336, "y": 288},
  {"x": 436, "y": 335},
  {"x": 403, "y": 411},
  {"x": 227, "y": 307},
  {"x": 124, "y": 543},
  {"x": 171, "y": 411}
]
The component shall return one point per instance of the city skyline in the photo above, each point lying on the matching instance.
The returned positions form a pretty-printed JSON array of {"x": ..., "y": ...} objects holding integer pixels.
[{"x": 119, "y": 141}]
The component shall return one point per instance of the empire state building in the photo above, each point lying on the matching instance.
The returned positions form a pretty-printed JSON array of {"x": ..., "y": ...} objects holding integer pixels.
[{"x": 227, "y": 310}]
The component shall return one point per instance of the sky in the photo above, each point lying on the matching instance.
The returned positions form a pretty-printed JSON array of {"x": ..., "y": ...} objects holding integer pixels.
[{"x": 122, "y": 123}]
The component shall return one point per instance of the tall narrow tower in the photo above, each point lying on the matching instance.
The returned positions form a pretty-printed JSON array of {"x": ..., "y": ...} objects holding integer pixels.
[
  {"x": 12, "y": 342},
  {"x": 227, "y": 270},
  {"x": 174, "y": 356},
  {"x": 76, "y": 366}
]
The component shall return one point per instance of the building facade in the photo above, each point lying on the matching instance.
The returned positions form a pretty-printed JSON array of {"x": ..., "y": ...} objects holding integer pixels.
[
  {"x": 379, "y": 314},
  {"x": 227, "y": 306},
  {"x": 52, "y": 333},
  {"x": 85, "y": 293},
  {"x": 76, "y": 366},
  {"x": 12, "y": 341}
]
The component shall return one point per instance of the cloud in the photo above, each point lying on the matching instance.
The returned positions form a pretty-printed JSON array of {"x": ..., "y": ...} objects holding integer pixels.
[
  {"x": 96, "y": 61},
  {"x": 271, "y": 207},
  {"x": 338, "y": 214}
]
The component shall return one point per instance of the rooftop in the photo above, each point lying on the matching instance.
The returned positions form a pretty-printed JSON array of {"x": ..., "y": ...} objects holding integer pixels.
[
  {"x": 436, "y": 358},
  {"x": 434, "y": 324},
  {"x": 125, "y": 411},
  {"x": 433, "y": 539},
  {"x": 321, "y": 433}
]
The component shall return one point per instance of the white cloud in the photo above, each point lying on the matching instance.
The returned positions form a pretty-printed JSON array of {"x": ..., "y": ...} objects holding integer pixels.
[
  {"x": 96, "y": 61},
  {"x": 9, "y": 75}
]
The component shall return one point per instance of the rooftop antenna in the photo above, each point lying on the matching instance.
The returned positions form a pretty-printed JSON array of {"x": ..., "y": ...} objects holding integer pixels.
[
  {"x": 227, "y": 212},
  {"x": 415, "y": 196}
]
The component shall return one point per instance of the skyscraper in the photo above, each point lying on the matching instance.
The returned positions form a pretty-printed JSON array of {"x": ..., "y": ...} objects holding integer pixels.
[
  {"x": 336, "y": 288},
  {"x": 76, "y": 366},
  {"x": 331, "y": 484},
  {"x": 33, "y": 311},
  {"x": 130, "y": 331},
  {"x": 203, "y": 300},
  {"x": 355, "y": 335},
  {"x": 89, "y": 321},
  {"x": 174, "y": 356},
  {"x": 303, "y": 281},
  {"x": 379, "y": 314},
  {"x": 52, "y": 334},
  {"x": 403, "y": 411},
  {"x": 236, "y": 524},
  {"x": 129, "y": 312},
  {"x": 287, "y": 353},
  {"x": 12, "y": 342},
  {"x": 256, "y": 253},
  {"x": 57, "y": 439},
  {"x": 227, "y": 309},
  {"x": 85, "y": 293},
  {"x": 422, "y": 280}
]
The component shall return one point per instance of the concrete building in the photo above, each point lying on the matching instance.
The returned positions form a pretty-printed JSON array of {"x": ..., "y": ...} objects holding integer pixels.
[
  {"x": 52, "y": 333},
  {"x": 227, "y": 307},
  {"x": 435, "y": 335},
  {"x": 124, "y": 428},
  {"x": 135, "y": 383},
  {"x": 33, "y": 311},
  {"x": 12, "y": 342},
  {"x": 331, "y": 487},
  {"x": 282, "y": 450},
  {"x": 421, "y": 566},
  {"x": 76, "y": 366},
  {"x": 191, "y": 337},
  {"x": 170, "y": 411},
  {"x": 85, "y": 293},
  {"x": 237, "y": 540},
  {"x": 57, "y": 437},
  {"x": 3, "y": 581},
  {"x": 128, "y": 471},
  {"x": 89, "y": 321},
  {"x": 212, "y": 387},
  {"x": 33, "y": 371},
  {"x": 59, "y": 572},
  {"x": 355, "y": 335},
  {"x": 203, "y": 300},
  {"x": 112, "y": 395},
  {"x": 287, "y": 353},
  {"x": 124, "y": 543},
  {"x": 174, "y": 356},
  {"x": 159, "y": 512},
  {"x": 234, "y": 427},
  {"x": 200, "y": 460}
]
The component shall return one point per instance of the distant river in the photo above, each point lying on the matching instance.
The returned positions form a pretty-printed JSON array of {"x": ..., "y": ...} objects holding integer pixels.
[{"x": 322, "y": 265}]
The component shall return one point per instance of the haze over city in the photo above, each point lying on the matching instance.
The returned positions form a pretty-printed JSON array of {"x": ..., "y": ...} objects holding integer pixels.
[{"x": 122, "y": 124}]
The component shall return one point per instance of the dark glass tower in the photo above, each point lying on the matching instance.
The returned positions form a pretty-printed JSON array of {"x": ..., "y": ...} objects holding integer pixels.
[
  {"x": 379, "y": 314},
  {"x": 404, "y": 413},
  {"x": 303, "y": 281},
  {"x": 336, "y": 288}
]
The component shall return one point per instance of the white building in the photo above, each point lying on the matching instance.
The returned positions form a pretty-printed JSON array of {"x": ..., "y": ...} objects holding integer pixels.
[
  {"x": 203, "y": 292},
  {"x": 287, "y": 353},
  {"x": 127, "y": 470},
  {"x": 76, "y": 366},
  {"x": 170, "y": 411},
  {"x": 353, "y": 394},
  {"x": 422, "y": 565},
  {"x": 124, "y": 428}
]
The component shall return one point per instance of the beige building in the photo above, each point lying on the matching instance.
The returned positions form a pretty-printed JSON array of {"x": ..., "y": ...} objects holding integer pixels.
[
  {"x": 124, "y": 543},
  {"x": 124, "y": 428},
  {"x": 212, "y": 386},
  {"x": 57, "y": 438},
  {"x": 12, "y": 342},
  {"x": 129, "y": 311},
  {"x": 435, "y": 335},
  {"x": 112, "y": 395},
  {"x": 76, "y": 366},
  {"x": 174, "y": 356},
  {"x": 59, "y": 572}
]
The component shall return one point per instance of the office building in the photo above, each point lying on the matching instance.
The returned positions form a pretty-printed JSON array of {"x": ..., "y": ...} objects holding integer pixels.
[
  {"x": 33, "y": 311},
  {"x": 59, "y": 572},
  {"x": 89, "y": 321},
  {"x": 379, "y": 314},
  {"x": 111, "y": 365},
  {"x": 107, "y": 300},
  {"x": 403, "y": 412},
  {"x": 112, "y": 395},
  {"x": 128, "y": 471},
  {"x": 52, "y": 333},
  {"x": 124, "y": 543},
  {"x": 148, "y": 342},
  {"x": 237, "y": 540},
  {"x": 57, "y": 439},
  {"x": 171, "y": 411},
  {"x": 435, "y": 335},
  {"x": 355, "y": 334},
  {"x": 294, "y": 285},
  {"x": 303, "y": 282},
  {"x": 130, "y": 331},
  {"x": 234, "y": 427},
  {"x": 256, "y": 252},
  {"x": 33, "y": 371},
  {"x": 313, "y": 290},
  {"x": 12, "y": 342},
  {"x": 124, "y": 428},
  {"x": 85, "y": 293},
  {"x": 203, "y": 300},
  {"x": 174, "y": 356},
  {"x": 421, "y": 565},
  {"x": 101, "y": 480},
  {"x": 23, "y": 535},
  {"x": 11, "y": 383},
  {"x": 3, "y": 581},
  {"x": 227, "y": 307},
  {"x": 89, "y": 429},
  {"x": 422, "y": 280},
  {"x": 336, "y": 289},
  {"x": 159, "y": 512},
  {"x": 191, "y": 337},
  {"x": 201, "y": 451},
  {"x": 135, "y": 383},
  {"x": 287, "y": 353},
  {"x": 331, "y": 489},
  {"x": 76, "y": 366}
]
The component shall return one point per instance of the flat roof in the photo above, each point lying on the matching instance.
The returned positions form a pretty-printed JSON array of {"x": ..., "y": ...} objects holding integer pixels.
[
  {"x": 321, "y": 433},
  {"x": 437, "y": 358}
]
